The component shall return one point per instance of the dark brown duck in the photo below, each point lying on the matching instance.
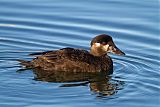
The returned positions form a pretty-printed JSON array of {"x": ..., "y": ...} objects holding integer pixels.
[{"x": 77, "y": 60}]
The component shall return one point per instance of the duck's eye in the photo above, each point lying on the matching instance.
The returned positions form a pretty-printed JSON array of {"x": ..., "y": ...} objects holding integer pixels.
[{"x": 104, "y": 43}]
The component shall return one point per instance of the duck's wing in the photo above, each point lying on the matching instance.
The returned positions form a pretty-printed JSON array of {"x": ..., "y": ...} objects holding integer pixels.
[
  {"x": 69, "y": 59},
  {"x": 68, "y": 54},
  {"x": 64, "y": 60}
]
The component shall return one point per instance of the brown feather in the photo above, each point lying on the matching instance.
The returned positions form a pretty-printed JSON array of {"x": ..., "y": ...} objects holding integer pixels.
[{"x": 72, "y": 60}]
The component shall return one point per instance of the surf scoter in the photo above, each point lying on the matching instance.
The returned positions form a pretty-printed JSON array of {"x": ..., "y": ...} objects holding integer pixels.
[{"x": 77, "y": 60}]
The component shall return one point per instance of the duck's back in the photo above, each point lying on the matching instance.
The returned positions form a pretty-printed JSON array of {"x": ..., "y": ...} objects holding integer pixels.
[{"x": 72, "y": 60}]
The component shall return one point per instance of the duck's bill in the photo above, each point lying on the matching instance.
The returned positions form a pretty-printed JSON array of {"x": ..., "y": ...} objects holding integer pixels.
[{"x": 117, "y": 51}]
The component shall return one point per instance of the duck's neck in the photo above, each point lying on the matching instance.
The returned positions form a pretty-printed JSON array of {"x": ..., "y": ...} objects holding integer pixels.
[{"x": 97, "y": 51}]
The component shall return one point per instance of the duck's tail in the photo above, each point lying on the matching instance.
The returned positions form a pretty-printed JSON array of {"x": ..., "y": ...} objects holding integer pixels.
[{"x": 27, "y": 64}]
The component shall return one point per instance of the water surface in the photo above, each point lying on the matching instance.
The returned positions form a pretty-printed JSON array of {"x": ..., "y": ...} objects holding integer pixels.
[{"x": 28, "y": 26}]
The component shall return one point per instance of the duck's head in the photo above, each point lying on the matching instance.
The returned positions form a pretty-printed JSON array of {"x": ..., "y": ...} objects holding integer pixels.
[{"x": 103, "y": 44}]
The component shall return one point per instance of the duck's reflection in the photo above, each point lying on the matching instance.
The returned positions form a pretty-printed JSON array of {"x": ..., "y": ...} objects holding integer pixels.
[
  {"x": 98, "y": 82},
  {"x": 106, "y": 86}
]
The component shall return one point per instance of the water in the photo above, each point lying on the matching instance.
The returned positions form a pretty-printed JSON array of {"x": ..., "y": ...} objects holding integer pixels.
[{"x": 28, "y": 26}]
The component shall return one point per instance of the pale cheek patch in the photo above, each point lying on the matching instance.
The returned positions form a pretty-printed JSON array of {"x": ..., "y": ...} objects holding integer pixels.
[
  {"x": 97, "y": 44},
  {"x": 105, "y": 47}
]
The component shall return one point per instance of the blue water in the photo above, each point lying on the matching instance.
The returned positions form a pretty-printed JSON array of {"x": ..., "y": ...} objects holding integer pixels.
[{"x": 28, "y": 26}]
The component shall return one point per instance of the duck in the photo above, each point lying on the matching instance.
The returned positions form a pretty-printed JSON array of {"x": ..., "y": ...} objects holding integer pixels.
[{"x": 77, "y": 60}]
